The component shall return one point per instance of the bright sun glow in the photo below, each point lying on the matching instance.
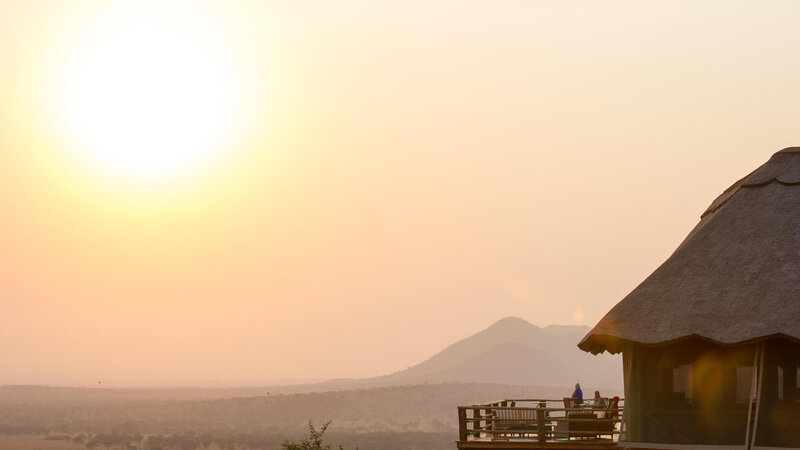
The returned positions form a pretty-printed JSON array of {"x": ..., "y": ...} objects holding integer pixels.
[{"x": 148, "y": 92}]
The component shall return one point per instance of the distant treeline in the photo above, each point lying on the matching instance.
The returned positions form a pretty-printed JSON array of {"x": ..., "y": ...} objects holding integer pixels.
[
  {"x": 405, "y": 409},
  {"x": 256, "y": 441}
]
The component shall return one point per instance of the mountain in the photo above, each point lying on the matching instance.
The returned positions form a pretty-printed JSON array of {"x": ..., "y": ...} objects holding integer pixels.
[{"x": 513, "y": 351}]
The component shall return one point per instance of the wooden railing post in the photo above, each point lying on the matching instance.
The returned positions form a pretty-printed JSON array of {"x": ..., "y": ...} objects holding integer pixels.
[
  {"x": 487, "y": 423},
  {"x": 462, "y": 424},
  {"x": 476, "y": 424},
  {"x": 540, "y": 413}
]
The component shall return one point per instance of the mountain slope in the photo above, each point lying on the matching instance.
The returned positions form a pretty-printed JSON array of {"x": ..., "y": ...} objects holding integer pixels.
[
  {"x": 505, "y": 331},
  {"x": 511, "y": 363},
  {"x": 512, "y": 351}
]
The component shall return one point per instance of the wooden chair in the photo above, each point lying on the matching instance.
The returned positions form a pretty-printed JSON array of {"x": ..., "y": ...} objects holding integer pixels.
[
  {"x": 563, "y": 426},
  {"x": 570, "y": 402},
  {"x": 585, "y": 424},
  {"x": 608, "y": 417},
  {"x": 522, "y": 422},
  {"x": 517, "y": 421}
]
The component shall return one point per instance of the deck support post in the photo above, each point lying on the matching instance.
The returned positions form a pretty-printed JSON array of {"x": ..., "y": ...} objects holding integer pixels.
[
  {"x": 540, "y": 433},
  {"x": 462, "y": 424}
]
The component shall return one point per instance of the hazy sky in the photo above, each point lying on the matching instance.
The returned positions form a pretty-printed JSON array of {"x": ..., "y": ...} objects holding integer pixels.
[{"x": 392, "y": 176}]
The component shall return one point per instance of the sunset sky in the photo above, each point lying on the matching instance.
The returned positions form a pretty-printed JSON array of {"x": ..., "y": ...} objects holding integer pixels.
[{"x": 253, "y": 190}]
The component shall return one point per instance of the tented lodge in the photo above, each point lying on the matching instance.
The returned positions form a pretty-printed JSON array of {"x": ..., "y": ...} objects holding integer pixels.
[{"x": 711, "y": 339}]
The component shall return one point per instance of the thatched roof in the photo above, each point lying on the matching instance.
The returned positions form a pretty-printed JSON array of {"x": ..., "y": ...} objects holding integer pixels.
[{"x": 734, "y": 280}]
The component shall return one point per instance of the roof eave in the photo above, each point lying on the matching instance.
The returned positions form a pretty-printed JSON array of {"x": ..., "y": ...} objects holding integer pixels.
[{"x": 599, "y": 343}]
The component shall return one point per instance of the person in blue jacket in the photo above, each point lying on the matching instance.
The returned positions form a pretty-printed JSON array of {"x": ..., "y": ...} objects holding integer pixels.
[{"x": 578, "y": 393}]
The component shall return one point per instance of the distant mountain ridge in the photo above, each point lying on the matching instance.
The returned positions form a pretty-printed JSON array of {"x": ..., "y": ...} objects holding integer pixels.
[{"x": 511, "y": 351}]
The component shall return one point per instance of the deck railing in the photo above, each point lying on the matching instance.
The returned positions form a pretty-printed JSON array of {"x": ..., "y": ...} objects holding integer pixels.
[{"x": 539, "y": 420}]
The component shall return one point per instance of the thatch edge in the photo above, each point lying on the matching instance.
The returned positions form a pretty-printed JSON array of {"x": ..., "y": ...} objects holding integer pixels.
[{"x": 599, "y": 343}]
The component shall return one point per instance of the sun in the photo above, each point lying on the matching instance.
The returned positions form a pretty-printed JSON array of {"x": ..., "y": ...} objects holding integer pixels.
[{"x": 148, "y": 92}]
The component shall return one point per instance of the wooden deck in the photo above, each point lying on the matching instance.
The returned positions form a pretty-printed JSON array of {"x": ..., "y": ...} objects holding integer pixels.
[
  {"x": 537, "y": 424},
  {"x": 528, "y": 444}
]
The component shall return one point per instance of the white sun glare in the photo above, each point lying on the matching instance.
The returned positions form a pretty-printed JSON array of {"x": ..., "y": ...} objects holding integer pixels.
[{"x": 148, "y": 93}]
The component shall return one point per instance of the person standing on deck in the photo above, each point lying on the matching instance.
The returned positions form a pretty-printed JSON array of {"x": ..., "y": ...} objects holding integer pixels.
[{"x": 578, "y": 393}]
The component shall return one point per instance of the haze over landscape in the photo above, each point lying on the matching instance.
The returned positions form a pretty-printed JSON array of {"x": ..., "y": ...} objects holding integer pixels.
[
  {"x": 398, "y": 176},
  {"x": 510, "y": 359},
  {"x": 211, "y": 201}
]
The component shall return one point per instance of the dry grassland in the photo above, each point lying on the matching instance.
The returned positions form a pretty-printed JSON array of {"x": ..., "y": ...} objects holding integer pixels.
[{"x": 33, "y": 442}]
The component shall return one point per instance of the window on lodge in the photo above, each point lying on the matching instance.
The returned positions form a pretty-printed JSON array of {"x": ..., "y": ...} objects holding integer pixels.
[
  {"x": 782, "y": 385},
  {"x": 683, "y": 382},
  {"x": 744, "y": 384}
]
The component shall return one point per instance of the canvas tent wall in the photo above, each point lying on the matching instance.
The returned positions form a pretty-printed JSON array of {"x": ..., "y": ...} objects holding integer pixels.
[
  {"x": 722, "y": 311},
  {"x": 691, "y": 393},
  {"x": 778, "y": 419}
]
